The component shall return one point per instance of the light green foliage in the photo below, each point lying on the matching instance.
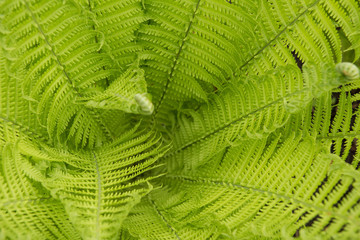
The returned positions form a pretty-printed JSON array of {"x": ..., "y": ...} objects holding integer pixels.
[
  {"x": 121, "y": 94},
  {"x": 179, "y": 119},
  {"x": 254, "y": 188},
  {"x": 97, "y": 187}
]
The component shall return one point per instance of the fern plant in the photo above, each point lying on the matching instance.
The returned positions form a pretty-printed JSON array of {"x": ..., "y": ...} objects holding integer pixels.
[{"x": 181, "y": 119}]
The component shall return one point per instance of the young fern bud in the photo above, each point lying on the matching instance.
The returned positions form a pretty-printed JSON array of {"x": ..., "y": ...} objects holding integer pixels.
[
  {"x": 349, "y": 70},
  {"x": 146, "y": 106}
]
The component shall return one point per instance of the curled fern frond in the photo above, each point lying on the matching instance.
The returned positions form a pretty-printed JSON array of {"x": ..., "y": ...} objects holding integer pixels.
[
  {"x": 128, "y": 93},
  {"x": 349, "y": 70}
]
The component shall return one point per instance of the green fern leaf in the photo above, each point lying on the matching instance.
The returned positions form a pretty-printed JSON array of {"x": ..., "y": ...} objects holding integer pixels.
[
  {"x": 97, "y": 188},
  {"x": 122, "y": 94},
  {"x": 118, "y": 22},
  {"x": 256, "y": 188},
  {"x": 27, "y": 210},
  {"x": 303, "y": 30},
  {"x": 190, "y": 45},
  {"x": 258, "y": 110},
  {"x": 333, "y": 119},
  {"x": 14, "y": 109},
  {"x": 57, "y": 53}
]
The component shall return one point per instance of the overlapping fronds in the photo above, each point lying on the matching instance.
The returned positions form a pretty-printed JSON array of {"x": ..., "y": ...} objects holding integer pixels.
[
  {"x": 55, "y": 57},
  {"x": 190, "y": 47},
  {"x": 333, "y": 120},
  {"x": 97, "y": 188},
  {"x": 118, "y": 22},
  {"x": 147, "y": 221},
  {"x": 257, "y": 103},
  {"x": 249, "y": 110},
  {"x": 122, "y": 94},
  {"x": 342, "y": 123},
  {"x": 303, "y": 30},
  {"x": 256, "y": 188},
  {"x": 14, "y": 109},
  {"x": 126, "y": 235},
  {"x": 27, "y": 210}
]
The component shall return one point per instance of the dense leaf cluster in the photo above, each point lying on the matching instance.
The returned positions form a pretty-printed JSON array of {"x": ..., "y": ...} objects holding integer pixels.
[{"x": 179, "y": 119}]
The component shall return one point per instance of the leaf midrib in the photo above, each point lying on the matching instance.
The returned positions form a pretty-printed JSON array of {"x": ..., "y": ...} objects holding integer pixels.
[
  {"x": 208, "y": 134},
  {"x": 28, "y": 200},
  {"x": 70, "y": 82},
  {"x": 277, "y": 36},
  {"x": 99, "y": 196},
  {"x": 162, "y": 217},
  {"x": 210, "y": 181},
  {"x": 40, "y": 29},
  {"x": 168, "y": 80}
]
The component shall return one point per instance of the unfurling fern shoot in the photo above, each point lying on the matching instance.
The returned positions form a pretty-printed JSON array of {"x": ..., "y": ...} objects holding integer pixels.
[
  {"x": 349, "y": 70},
  {"x": 144, "y": 103}
]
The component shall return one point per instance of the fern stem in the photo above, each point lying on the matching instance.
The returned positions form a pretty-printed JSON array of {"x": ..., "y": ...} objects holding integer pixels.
[
  {"x": 51, "y": 48},
  {"x": 25, "y": 201},
  {"x": 339, "y": 136},
  {"x": 23, "y": 129},
  {"x": 266, "y": 193},
  {"x": 233, "y": 122},
  {"x": 98, "y": 227},
  {"x": 277, "y": 36},
  {"x": 163, "y": 218},
  {"x": 176, "y": 59}
]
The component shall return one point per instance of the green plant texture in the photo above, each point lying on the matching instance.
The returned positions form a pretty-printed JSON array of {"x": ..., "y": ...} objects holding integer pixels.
[{"x": 179, "y": 119}]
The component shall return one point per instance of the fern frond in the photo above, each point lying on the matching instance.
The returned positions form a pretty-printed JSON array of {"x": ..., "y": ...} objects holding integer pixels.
[
  {"x": 56, "y": 57},
  {"x": 118, "y": 22},
  {"x": 250, "y": 110},
  {"x": 98, "y": 188},
  {"x": 190, "y": 47},
  {"x": 126, "y": 235},
  {"x": 147, "y": 221},
  {"x": 258, "y": 99},
  {"x": 336, "y": 130},
  {"x": 14, "y": 109},
  {"x": 335, "y": 125},
  {"x": 27, "y": 210},
  {"x": 306, "y": 30},
  {"x": 268, "y": 189},
  {"x": 123, "y": 94},
  {"x": 333, "y": 119}
]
